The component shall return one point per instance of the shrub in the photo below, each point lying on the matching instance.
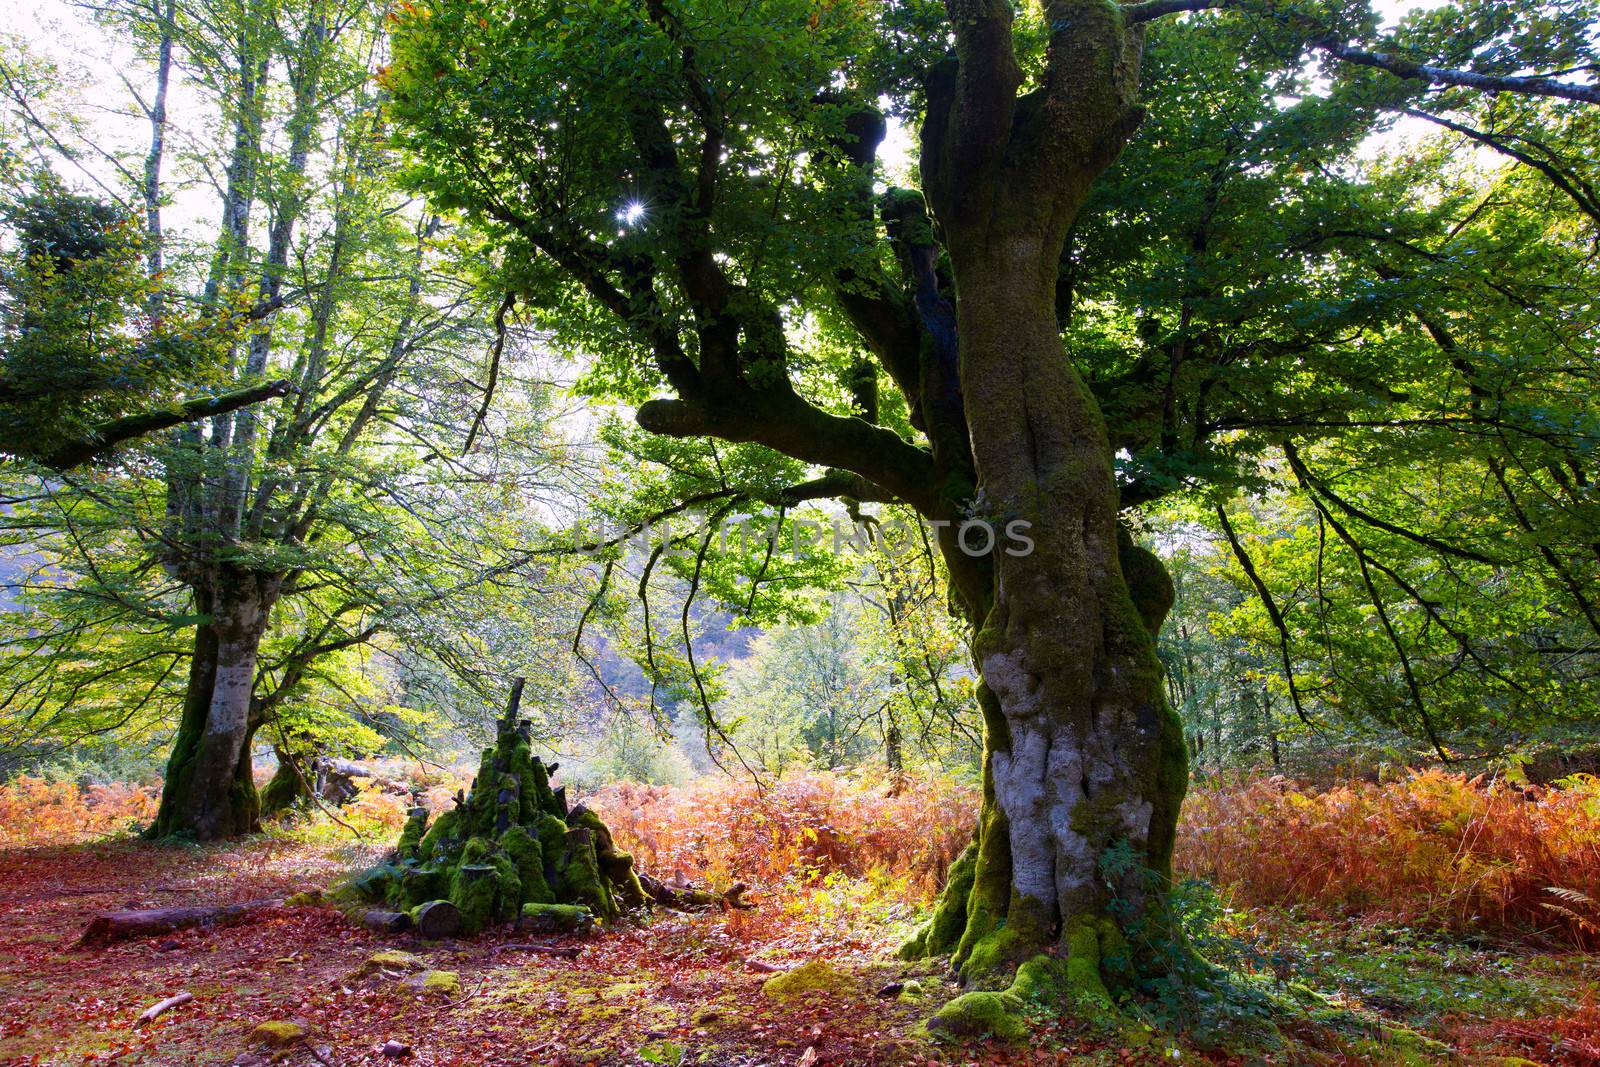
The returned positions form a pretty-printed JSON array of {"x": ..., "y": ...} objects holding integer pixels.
[
  {"x": 799, "y": 830},
  {"x": 35, "y": 811},
  {"x": 1431, "y": 849}
]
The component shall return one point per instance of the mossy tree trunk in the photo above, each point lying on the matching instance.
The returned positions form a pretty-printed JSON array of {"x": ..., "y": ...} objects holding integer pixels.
[
  {"x": 1084, "y": 760},
  {"x": 287, "y": 786},
  {"x": 209, "y": 792}
]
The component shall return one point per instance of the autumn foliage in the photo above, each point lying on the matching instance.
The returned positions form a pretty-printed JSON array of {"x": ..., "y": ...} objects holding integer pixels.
[
  {"x": 35, "y": 811},
  {"x": 1430, "y": 849},
  {"x": 802, "y": 828}
]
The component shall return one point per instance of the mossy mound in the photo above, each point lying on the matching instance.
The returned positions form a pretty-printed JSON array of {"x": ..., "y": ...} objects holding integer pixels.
[
  {"x": 509, "y": 843},
  {"x": 981, "y": 1014},
  {"x": 808, "y": 978},
  {"x": 391, "y": 961},
  {"x": 279, "y": 1034}
]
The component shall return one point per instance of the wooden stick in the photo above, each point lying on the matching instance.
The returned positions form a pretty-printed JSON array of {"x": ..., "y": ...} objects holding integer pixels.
[
  {"x": 160, "y": 1006},
  {"x": 567, "y": 952}
]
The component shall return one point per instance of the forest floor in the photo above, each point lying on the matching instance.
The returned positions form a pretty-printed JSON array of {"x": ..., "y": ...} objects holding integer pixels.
[{"x": 678, "y": 990}]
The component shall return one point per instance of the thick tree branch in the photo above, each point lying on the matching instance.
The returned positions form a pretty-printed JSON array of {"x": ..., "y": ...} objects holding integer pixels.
[
  {"x": 783, "y": 421},
  {"x": 108, "y": 435}
]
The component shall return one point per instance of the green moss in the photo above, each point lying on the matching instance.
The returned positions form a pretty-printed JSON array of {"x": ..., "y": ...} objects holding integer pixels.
[
  {"x": 552, "y": 835},
  {"x": 911, "y": 992},
  {"x": 282, "y": 789},
  {"x": 543, "y": 795},
  {"x": 991, "y": 960},
  {"x": 443, "y": 828},
  {"x": 528, "y": 858},
  {"x": 369, "y": 886},
  {"x": 530, "y": 784},
  {"x": 278, "y": 1034},
  {"x": 991, "y": 881},
  {"x": 1172, "y": 781},
  {"x": 942, "y": 933},
  {"x": 626, "y": 890},
  {"x": 393, "y": 960},
  {"x": 503, "y": 847},
  {"x": 588, "y": 820},
  {"x": 1042, "y": 980},
  {"x": 802, "y": 981},
  {"x": 411, "y": 836},
  {"x": 623, "y": 990},
  {"x": 434, "y": 983},
  {"x": 662, "y": 1052},
  {"x": 981, "y": 1014},
  {"x": 479, "y": 812},
  {"x": 1085, "y": 986},
  {"x": 474, "y": 887},
  {"x": 556, "y": 918},
  {"x": 580, "y": 876},
  {"x": 418, "y": 885}
]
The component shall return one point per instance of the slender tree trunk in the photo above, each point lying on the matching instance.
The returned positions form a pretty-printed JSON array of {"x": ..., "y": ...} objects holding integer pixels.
[{"x": 152, "y": 161}]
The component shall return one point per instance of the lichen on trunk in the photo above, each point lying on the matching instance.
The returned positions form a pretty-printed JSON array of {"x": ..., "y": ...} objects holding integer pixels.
[
  {"x": 509, "y": 850},
  {"x": 1063, "y": 895}
]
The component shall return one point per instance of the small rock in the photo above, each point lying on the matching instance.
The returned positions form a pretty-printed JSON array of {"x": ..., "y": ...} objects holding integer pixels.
[
  {"x": 278, "y": 1033},
  {"x": 807, "y": 979},
  {"x": 911, "y": 991},
  {"x": 434, "y": 983},
  {"x": 169, "y": 946},
  {"x": 395, "y": 1050},
  {"x": 404, "y": 962},
  {"x": 891, "y": 990}
]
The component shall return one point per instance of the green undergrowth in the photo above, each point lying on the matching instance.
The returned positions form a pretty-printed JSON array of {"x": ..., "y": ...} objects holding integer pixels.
[
  {"x": 1263, "y": 986},
  {"x": 1425, "y": 980}
]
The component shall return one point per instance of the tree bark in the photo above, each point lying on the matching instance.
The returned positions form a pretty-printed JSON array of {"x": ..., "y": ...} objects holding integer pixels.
[
  {"x": 109, "y": 927},
  {"x": 1085, "y": 764},
  {"x": 209, "y": 792},
  {"x": 286, "y": 787}
]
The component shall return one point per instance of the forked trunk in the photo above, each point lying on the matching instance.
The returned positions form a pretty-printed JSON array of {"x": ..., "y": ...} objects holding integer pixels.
[
  {"x": 1064, "y": 890},
  {"x": 209, "y": 792}
]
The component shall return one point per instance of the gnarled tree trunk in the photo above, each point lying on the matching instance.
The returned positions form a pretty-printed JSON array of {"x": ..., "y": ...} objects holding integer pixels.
[{"x": 1084, "y": 763}]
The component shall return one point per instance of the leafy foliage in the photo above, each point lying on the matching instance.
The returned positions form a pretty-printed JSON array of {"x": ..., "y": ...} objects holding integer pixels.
[{"x": 1431, "y": 849}]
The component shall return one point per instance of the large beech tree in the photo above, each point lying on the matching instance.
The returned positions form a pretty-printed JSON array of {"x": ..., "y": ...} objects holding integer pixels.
[{"x": 691, "y": 191}]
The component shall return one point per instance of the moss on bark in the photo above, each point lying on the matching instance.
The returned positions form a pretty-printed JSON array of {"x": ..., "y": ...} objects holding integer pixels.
[
  {"x": 284, "y": 789},
  {"x": 507, "y": 846},
  {"x": 940, "y": 935}
]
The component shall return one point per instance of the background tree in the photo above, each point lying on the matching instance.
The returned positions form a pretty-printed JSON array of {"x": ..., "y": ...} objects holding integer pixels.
[{"x": 232, "y": 572}]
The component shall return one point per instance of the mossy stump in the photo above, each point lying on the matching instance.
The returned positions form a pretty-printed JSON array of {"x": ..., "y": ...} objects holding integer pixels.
[{"x": 507, "y": 844}]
